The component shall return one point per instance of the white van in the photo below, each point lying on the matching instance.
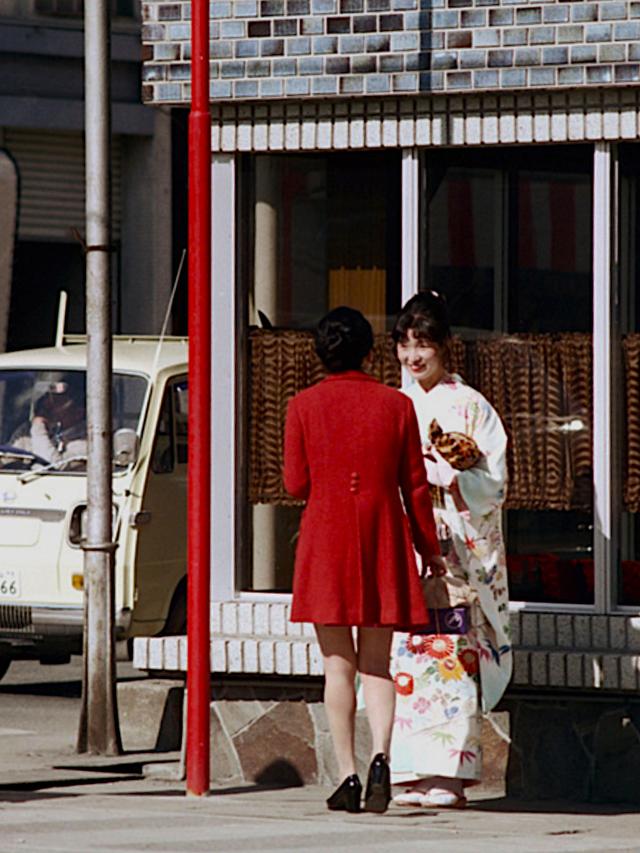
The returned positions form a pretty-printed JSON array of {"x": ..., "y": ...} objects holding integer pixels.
[{"x": 43, "y": 491}]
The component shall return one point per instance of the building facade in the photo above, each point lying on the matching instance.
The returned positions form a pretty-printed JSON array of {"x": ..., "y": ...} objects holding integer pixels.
[
  {"x": 42, "y": 147},
  {"x": 363, "y": 150}
]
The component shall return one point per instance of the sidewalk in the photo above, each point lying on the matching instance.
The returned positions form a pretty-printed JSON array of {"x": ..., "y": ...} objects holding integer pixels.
[
  {"x": 53, "y": 800},
  {"x": 83, "y": 804}
]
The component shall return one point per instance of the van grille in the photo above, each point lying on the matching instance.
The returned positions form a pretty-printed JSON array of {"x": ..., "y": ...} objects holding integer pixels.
[{"x": 15, "y": 618}]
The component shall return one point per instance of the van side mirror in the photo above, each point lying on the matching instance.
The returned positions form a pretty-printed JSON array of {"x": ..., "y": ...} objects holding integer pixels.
[{"x": 126, "y": 446}]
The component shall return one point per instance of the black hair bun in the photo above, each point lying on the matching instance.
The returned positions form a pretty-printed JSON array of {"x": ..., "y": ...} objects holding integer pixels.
[{"x": 343, "y": 338}]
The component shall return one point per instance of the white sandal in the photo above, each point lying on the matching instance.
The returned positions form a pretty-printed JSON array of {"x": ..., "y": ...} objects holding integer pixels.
[
  {"x": 441, "y": 798},
  {"x": 409, "y": 798}
]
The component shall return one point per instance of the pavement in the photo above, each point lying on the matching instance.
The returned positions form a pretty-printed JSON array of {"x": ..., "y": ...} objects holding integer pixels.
[{"x": 52, "y": 799}]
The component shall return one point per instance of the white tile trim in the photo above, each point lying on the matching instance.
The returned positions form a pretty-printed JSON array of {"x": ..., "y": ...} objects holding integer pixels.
[
  {"x": 438, "y": 120},
  {"x": 551, "y": 650}
]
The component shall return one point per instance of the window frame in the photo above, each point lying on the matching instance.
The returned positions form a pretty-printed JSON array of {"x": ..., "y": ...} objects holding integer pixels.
[
  {"x": 229, "y": 375},
  {"x": 604, "y": 592}
]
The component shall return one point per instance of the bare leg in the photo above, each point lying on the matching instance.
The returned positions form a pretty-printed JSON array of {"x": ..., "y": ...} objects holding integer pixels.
[
  {"x": 374, "y": 648},
  {"x": 339, "y": 657}
]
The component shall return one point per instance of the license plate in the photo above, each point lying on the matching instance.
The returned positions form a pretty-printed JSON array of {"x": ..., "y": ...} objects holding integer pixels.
[{"x": 9, "y": 583}]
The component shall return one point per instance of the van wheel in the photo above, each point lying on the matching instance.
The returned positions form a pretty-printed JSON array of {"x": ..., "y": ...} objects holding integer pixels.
[
  {"x": 5, "y": 663},
  {"x": 176, "y": 624}
]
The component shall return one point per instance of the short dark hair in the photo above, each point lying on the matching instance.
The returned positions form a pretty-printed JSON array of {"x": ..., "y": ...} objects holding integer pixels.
[
  {"x": 343, "y": 338},
  {"x": 426, "y": 314}
]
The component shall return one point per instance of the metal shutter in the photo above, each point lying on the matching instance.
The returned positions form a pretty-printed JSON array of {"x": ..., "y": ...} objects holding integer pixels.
[{"x": 51, "y": 168}]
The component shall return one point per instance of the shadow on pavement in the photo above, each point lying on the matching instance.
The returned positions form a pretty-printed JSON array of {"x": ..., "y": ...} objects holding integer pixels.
[
  {"x": 64, "y": 689},
  {"x": 42, "y": 784},
  {"x": 131, "y": 768},
  {"x": 31, "y": 796},
  {"x": 214, "y": 792},
  {"x": 509, "y": 804}
]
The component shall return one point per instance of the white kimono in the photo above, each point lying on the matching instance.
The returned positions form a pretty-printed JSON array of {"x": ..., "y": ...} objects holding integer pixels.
[{"x": 445, "y": 681}]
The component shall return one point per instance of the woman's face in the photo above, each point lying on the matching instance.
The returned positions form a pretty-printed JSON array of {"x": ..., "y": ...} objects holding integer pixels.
[{"x": 421, "y": 358}]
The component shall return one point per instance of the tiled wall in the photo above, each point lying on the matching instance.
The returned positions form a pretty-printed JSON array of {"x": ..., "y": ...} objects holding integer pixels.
[
  {"x": 552, "y": 650},
  {"x": 354, "y": 48}
]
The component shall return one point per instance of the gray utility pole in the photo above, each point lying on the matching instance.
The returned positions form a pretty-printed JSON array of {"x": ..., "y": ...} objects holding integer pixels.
[{"x": 98, "y": 730}]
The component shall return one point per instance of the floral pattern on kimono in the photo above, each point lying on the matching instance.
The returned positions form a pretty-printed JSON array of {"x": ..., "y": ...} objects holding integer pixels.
[
  {"x": 445, "y": 682},
  {"x": 437, "y": 725}
]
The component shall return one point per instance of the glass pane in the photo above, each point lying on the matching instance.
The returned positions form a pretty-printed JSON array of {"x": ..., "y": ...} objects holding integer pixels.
[
  {"x": 162, "y": 455},
  {"x": 552, "y": 269},
  {"x": 324, "y": 232},
  {"x": 461, "y": 242},
  {"x": 43, "y": 416},
  {"x": 318, "y": 231},
  {"x": 551, "y": 550},
  {"x": 181, "y": 415},
  {"x": 508, "y": 241},
  {"x": 629, "y": 375}
]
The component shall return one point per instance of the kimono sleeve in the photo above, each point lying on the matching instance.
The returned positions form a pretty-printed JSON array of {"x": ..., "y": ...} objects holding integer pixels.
[
  {"x": 296, "y": 465},
  {"x": 415, "y": 488},
  {"x": 483, "y": 486}
]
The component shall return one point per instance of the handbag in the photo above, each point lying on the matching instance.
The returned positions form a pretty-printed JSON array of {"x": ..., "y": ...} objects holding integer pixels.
[
  {"x": 456, "y": 448},
  {"x": 448, "y": 599},
  {"x": 447, "y": 620}
]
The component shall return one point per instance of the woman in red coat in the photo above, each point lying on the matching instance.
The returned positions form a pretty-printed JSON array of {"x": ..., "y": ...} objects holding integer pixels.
[{"x": 352, "y": 451}]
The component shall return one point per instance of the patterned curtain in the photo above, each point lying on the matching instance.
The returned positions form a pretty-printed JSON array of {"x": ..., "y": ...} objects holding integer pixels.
[{"x": 540, "y": 385}]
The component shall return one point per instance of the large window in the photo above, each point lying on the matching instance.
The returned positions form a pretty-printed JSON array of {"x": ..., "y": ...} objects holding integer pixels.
[
  {"x": 536, "y": 251},
  {"x": 508, "y": 240},
  {"x": 317, "y": 231}
]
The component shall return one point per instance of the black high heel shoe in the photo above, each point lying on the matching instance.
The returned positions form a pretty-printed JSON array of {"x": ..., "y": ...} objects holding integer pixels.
[
  {"x": 347, "y": 797},
  {"x": 378, "y": 792}
]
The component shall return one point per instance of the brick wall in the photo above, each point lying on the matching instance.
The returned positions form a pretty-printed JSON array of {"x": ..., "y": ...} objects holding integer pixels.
[{"x": 353, "y": 48}]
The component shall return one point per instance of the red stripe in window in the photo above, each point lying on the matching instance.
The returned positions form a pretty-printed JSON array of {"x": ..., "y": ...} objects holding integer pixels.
[
  {"x": 526, "y": 235},
  {"x": 460, "y": 223},
  {"x": 562, "y": 201}
]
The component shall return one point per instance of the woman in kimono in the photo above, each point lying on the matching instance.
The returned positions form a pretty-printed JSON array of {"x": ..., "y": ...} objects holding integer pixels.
[
  {"x": 355, "y": 565},
  {"x": 445, "y": 682}
]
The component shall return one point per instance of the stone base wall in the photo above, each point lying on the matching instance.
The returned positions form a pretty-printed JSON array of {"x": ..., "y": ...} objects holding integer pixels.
[
  {"x": 578, "y": 749},
  {"x": 583, "y": 749},
  {"x": 277, "y": 733}
]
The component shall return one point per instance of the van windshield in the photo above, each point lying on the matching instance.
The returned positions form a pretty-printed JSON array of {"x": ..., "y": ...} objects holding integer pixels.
[{"x": 43, "y": 416}]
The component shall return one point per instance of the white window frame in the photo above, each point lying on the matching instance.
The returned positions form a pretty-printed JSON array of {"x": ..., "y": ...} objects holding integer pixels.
[
  {"x": 606, "y": 343},
  {"x": 224, "y": 370}
]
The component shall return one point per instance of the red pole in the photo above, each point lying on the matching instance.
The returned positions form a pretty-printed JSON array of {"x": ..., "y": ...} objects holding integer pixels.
[{"x": 199, "y": 490}]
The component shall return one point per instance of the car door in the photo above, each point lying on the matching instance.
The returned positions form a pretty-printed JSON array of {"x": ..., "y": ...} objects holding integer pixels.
[{"x": 161, "y": 555}]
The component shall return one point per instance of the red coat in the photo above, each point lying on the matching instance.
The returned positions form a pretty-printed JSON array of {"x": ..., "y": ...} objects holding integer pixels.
[{"x": 351, "y": 447}]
